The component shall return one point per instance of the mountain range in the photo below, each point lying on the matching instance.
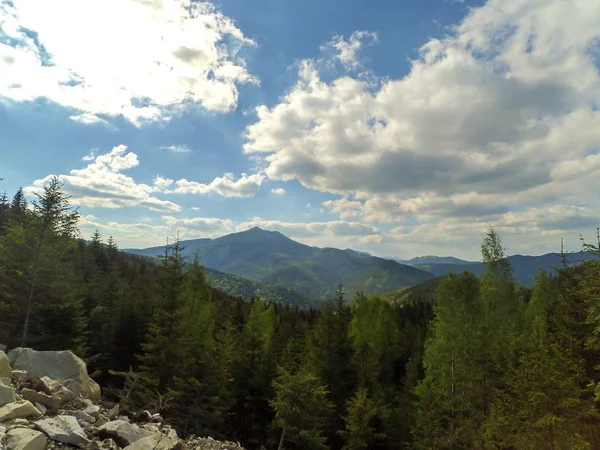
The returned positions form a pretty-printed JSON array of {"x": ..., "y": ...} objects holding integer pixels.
[
  {"x": 268, "y": 260},
  {"x": 267, "y": 264}
]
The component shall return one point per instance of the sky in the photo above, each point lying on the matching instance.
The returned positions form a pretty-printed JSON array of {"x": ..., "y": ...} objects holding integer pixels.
[{"x": 401, "y": 128}]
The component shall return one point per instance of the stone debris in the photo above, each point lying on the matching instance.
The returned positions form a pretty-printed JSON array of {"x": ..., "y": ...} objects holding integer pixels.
[
  {"x": 123, "y": 433},
  {"x": 64, "y": 429},
  {"x": 7, "y": 395},
  {"x": 48, "y": 404},
  {"x": 62, "y": 366},
  {"x": 25, "y": 439},
  {"x": 17, "y": 410}
]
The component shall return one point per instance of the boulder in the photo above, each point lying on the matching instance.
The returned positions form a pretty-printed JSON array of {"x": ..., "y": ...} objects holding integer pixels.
[
  {"x": 113, "y": 412},
  {"x": 40, "y": 397},
  {"x": 55, "y": 390},
  {"x": 25, "y": 439},
  {"x": 82, "y": 416},
  {"x": 62, "y": 366},
  {"x": 18, "y": 411},
  {"x": 155, "y": 441},
  {"x": 7, "y": 395},
  {"x": 64, "y": 429},
  {"x": 5, "y": 370},
  {"x": 123, "y": 433},
  {"x": 5, "y": 381}
]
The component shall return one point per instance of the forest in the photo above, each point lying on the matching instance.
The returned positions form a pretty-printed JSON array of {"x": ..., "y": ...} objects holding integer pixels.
[{"x": 460, "y": 362}]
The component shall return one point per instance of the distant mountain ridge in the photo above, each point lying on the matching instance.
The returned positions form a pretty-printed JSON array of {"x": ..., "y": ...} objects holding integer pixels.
[
  {"x": 525, "y": 268},
  {"x": 274, "y": 260}
]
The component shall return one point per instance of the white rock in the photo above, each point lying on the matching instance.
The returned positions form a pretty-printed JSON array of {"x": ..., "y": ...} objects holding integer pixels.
[
  {"x": 5, "y": 370},
  {"x": 25, "y": 439},
  {"x": 64, "y": 429},
  {"x": 7, "y": 395},
  {"x": 62, "y": 366},
  {"x": 123, "y": 433},
  {"x": 82, "y": 416},
  {"x": 40, "y": 397},
  {"x": 18, "y": 411},
  {"x": 92, "y": 410},
  {"x": 156, "y": 441}
]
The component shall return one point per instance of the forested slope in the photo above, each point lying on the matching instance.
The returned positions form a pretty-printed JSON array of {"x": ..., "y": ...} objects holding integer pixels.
[{"x": 460, "y": 362}]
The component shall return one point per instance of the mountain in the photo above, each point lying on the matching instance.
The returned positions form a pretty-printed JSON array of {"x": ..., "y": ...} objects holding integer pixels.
[
  {"x": 525, "y": 268},
  {"x": 420, "y": 260},
  {"x": 275, "y": 261}
]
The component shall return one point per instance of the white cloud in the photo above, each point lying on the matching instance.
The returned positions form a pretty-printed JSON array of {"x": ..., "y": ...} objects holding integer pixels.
[
  {"x": 278, "y": 191},
  {"x": 146, "y": 60},
  {"x": 102, "y": 185},
  {"x": 499, "y": 116},
  {"x": 327, "y": 230},
  {"x": 244, "y": 187},
  {"x": 347, "y": 50},
  {"x": 177, "y": 148}
]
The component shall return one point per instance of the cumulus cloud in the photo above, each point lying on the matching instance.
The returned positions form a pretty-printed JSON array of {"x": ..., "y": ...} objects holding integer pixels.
[
  {"x": 145, "y": 60},
  {"x": 499, "y": 116},
  {"x": 102, "y": 184},
  {"x": 227, "y": 186},
  {"x": 313, "y": 229},
  {"x": 278, "y": 191}
]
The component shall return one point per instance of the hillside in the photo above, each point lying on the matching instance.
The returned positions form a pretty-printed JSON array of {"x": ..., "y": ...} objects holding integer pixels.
[
  {"x": 525, "y": 268},
  {"x": 272, "y": 259}
]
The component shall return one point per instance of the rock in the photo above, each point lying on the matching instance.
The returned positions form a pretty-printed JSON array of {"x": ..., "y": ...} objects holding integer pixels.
[
  {"x": 5, "y": 381},
  {"x": 40, "y": 397},
  {"x": 106, "y": 444},
  {"x": 25, "y": 439},
  {"x": 62, "y": 366},
  {"x": 101, "y": 421},
  {"x": 20, "y": 423},
  {"x": 84, "y": 417},
  {"x": 170, "y": 432},
  {"x": 93, "y": 410},
  {"x": 7, "y": 395},
  {"x": 5, "y": 370},
  {"x": 63, "y": 429},
  {"x": 18, "y": 411},
  {"x": 19, "y": 375},
  {"x": 122, "y": 432},
  {"x": 155, "y": 441},
  {"x": 41, "y": 408},
  {"x": 113, "y": 412},
  {"x": 54, "y": 389}
]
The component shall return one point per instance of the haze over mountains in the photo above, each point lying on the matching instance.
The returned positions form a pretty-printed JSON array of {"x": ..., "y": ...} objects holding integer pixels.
[{"x": 267, "y": 264}]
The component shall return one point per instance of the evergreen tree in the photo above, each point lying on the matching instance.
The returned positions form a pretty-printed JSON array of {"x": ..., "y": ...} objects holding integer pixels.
[
  {"x": 359, "y": 433},
  {"x": 163, "y": 356},
  {"x": 301, "y": 409}
]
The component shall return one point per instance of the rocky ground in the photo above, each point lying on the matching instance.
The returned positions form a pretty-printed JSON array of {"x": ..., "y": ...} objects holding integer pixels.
[{"x": 48, "y": 401}]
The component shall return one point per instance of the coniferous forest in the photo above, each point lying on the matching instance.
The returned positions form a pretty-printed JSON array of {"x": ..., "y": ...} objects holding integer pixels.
[{"x": 478, "y": 363}]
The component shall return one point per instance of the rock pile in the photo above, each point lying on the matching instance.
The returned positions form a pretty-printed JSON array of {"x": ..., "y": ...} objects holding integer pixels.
[{"x": 48, "y": 401}]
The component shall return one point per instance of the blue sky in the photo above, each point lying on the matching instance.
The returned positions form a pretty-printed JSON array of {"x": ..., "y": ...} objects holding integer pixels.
[{"x": 398, "y": 128}]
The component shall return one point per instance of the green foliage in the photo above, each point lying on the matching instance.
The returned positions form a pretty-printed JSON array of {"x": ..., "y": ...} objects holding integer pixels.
[
  {"x": 359, "y": 433},
  {"x": 495, "y": 368},
  {"x": 301, "y": 408}
]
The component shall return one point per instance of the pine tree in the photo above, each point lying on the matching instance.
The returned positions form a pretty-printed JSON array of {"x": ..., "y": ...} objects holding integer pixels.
[
  {"x": 545, "y": 403},
  {"x": 301, "y": 408},
  {"x": 359, "y": 433},
  {"x": 162, "y": 356}
]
